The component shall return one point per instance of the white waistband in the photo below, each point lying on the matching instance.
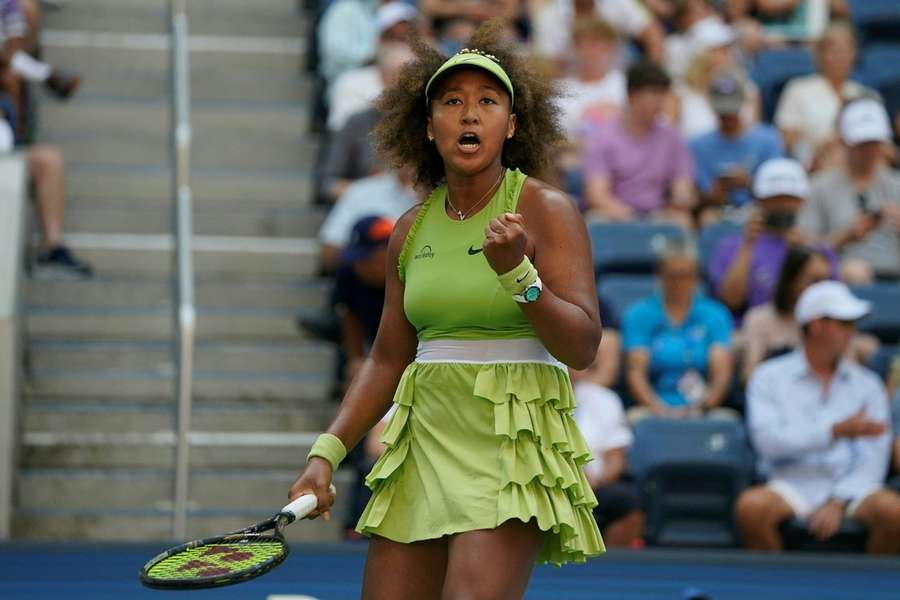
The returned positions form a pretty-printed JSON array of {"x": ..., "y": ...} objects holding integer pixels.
[{"x": 484, "y": 352}]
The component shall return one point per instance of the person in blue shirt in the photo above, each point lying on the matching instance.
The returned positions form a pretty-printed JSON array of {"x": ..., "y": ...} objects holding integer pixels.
[
  {"x": 727, "y": 158},
  {"x": 678, "y": 342}
]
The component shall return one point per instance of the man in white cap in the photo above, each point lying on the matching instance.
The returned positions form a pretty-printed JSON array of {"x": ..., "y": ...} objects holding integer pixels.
[
  {"x": 745, "y": 266},
  {"x": 821, "y": 428},
  {"x": 855, "y": 207}
]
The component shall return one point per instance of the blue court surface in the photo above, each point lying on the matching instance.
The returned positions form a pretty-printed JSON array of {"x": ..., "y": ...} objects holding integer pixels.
[{"x": 30, "y": 571}]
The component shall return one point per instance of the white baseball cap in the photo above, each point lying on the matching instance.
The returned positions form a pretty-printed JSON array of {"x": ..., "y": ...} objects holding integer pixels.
[
  {"x": 394, "y": 12},
  {"x": 712, "y": 33},
  {"x": 864, "y": 120},
  {"x": 780, "y": 177},
  {"x": 831, "y": 299}
]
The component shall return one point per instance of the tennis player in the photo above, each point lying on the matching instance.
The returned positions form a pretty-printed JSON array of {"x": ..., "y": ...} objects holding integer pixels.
[{"x": 490, "y": 293}]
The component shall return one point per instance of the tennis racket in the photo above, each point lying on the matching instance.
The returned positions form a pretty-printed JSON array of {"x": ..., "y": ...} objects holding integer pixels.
[{"x": 227, "y": 559}]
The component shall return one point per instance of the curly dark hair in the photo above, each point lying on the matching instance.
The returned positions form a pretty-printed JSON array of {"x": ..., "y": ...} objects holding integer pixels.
[{"x": 400, "y": 135}]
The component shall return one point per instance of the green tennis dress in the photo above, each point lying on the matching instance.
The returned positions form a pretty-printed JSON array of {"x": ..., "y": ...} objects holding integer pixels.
[{"x": 483, "y": 429}]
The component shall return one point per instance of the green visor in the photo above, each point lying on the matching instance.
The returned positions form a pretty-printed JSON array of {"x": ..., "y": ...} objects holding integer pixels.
[{"x": 473, "y": 58}]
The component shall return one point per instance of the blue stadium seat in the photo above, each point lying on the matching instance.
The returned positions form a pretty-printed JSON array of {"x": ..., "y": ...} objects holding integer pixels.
[
  {"x": 884, "y": 320},
  {"x": 622, "y": 290},
  {"x": 690, "y": 473},
  {"x": 710, "y": 236},
  {"x": 774, "y": 68},
  {"x": 878, "y": 65},
  {"x": 626, "y": 247},
  {"x": 876, "y": 20},
  {"x": 880, "y": 362}
]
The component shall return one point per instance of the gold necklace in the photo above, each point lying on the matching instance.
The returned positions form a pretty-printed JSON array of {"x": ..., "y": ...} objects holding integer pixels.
[{"x": 462, "y": 215}]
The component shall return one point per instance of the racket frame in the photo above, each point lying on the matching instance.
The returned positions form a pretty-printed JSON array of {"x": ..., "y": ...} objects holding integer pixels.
[{"x": 276, "y": 522}]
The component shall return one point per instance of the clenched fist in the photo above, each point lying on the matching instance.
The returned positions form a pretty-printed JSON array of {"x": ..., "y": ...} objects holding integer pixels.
[{"x": 505, "y": 242}]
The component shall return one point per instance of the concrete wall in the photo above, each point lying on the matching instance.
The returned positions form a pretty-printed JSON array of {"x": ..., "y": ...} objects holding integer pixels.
[{"x": 13, "y": 205}]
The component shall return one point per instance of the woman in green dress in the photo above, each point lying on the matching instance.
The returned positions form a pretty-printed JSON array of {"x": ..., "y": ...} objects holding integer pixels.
[{"x": 490, "y": 293}]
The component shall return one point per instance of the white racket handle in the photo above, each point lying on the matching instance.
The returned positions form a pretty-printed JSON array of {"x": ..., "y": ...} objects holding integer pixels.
[{"x": 304, "y": 505}]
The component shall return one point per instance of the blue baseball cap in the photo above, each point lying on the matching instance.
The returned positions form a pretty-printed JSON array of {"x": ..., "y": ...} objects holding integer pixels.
[{"x": 368, "y": 234}]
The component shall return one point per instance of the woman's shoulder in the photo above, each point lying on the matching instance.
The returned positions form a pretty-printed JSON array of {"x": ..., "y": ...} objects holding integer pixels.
[{"x": 540, "y": 197}]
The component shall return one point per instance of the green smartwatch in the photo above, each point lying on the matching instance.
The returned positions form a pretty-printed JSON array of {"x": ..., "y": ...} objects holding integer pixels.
[{"x": 531, "y": 293}]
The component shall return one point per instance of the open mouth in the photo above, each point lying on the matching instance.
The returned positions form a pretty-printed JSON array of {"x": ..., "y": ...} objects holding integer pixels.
[{"x": 469, "y": 142}]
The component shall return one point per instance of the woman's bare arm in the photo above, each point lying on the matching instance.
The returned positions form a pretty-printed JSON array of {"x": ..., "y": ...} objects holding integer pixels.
[
  {"x": 371, "y": 392},
  {"x": 567, "y": 316}
]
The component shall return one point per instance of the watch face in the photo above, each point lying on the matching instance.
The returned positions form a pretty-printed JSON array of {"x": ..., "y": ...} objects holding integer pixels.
[{"x": 532, "y": 293}]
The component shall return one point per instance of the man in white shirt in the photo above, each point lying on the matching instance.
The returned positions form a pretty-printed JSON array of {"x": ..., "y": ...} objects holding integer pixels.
[
  {"x": 821, "y": 428},
  {"x": 601, "y": 419}
]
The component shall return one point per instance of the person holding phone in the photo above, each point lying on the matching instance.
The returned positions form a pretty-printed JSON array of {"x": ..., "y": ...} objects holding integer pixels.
[
  {"x": 856, "y": 206},
  {"x": 745, "y": 266}
]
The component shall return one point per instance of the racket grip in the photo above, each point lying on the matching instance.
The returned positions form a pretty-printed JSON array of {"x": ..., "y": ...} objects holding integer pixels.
[{"x": 303, "y": 505}]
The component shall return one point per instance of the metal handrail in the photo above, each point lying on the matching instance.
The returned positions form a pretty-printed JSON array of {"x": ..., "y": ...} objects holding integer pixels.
[{"x": 184, "y": 313}]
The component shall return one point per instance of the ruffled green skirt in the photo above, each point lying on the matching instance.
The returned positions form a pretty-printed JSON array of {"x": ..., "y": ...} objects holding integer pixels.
[{"x": 472, "y": 446}]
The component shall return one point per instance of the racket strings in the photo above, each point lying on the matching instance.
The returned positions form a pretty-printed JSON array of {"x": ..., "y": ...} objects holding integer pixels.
[{"x": 216, "y": 560}]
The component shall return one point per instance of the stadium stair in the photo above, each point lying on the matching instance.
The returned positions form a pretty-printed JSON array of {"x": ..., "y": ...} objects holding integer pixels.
[{"x": 96, "y": 457}]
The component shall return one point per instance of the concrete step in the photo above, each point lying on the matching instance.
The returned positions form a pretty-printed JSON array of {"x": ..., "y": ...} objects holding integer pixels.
[
  {"x": 208, "y": 17},
  {"x": 155, "y": 323},
  {"x": 142, "y": 73},
  {"x": 152, "y": 185},
  {"x": 143, "y": 525},
  {"x": 225, "y": 256},
  {"x": 234, "y": 292},
  {"x": 156, "y": 451},
  {"x": 247, "y": 136},
  {"x": 109, "y": 216},
  {"x": 113, "y": 415},
  {"x": 159, "y": 382},
  {"x": 296, "y": 358},
  {"x": 263, "y": 489}
]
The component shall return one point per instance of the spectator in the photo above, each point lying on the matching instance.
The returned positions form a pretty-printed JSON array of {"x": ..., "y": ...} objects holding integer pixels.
[
  {"x": 455, "y": 21},
  {"x": 18, "y": 41},
  {"x": 601, "y": 419},
  {"x": 595, "y": 92},
  {"x": 693, "y": 110},
  {"x": 636, "y": 166},
  {"x": 346, "y": 34},
  {"x": 808, "y": 108},
  {"x": 855, "y": 207},
  {"x": 770, "y": 329},
  {"x": 793, "y": 20},
  {"x": 350, "y": 155},
  {"x": 356, "y": 89},
  {"x": 821, "y": 428},
  {"x": 358, "y": 296},
  {"x": 696, "y": 27},
  {"x": 745, "y": 266},
  {"x": 552, "y": 25},
  {"x": 677, "y": 342},
  {"x": 592, "y": 94},
  {"x": 726, "y": 159},
  {"x": 46, "y": 168},
  {"x": 388, "y": 194}
]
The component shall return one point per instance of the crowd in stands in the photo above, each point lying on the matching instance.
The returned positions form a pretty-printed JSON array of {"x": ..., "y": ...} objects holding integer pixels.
[
  {"x": 21, "y": 69},
  {"x": 757, "y": 138}
]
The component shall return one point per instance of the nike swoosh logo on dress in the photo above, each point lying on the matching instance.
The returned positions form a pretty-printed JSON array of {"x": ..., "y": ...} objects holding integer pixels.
[{"x": 473, "y": 251}]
